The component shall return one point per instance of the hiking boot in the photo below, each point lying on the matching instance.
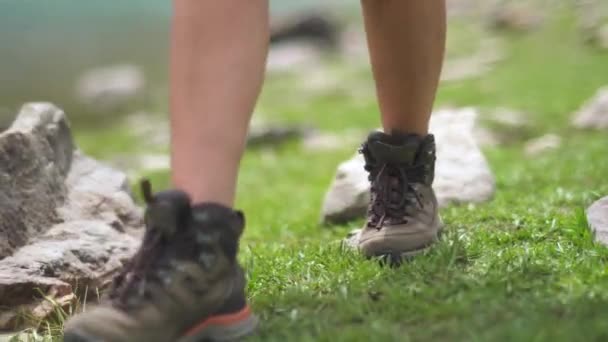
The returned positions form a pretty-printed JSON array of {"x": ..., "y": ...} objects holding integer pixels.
[
  {"x": 402, "y": 217},
  {"x": 184, "y": 284}
]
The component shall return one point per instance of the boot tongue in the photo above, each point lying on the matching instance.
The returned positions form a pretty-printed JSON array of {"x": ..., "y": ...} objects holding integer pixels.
[
  {"x": 393, "y": 149},
  {"x": 167, "y": 212}
]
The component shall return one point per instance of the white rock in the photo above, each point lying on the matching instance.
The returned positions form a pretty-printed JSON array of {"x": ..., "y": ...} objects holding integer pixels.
[
  {"x": 136, "y": 165},
  {"x": 593, "y": 22},
  {"x": 322, "y": 141},
  {"x": 351, "y": 241},
  {"x": 601, "y": 36},
  {"x": 155, "y": 162},
  {"x": 353, "y": 44},
  {"x": 594, "y": 112},
  {"x": 293, "y": 56},
  {"x": 597, "y": 217},
  {"x": 507, "y": 117},
  {"x": 540, "y": 145},
  {"x": 66, "y": 220},
  {"x": 461, "y": 7},
  {"x": 462, "y": 174},
  {"x": 515, "y": 15},
  {"x": 155, "y": 130},
  {"x": 111, "y": 87},
  {"x": 478, "y": 63},
  {"x": 486, "y": 137},
  {"x": 153, "y": 127},
  {"x": 348, "y": 195},
  {"x": 499, "y": 126}
]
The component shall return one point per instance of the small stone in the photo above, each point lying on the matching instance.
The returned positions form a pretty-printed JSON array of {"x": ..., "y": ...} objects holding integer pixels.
[
  {"x": 294, "y": 56},
  {"x": 462, "y": 174},
  {"x": 110, "y": 88},
  {"x": 593, "y": 22},
  {"x": 321, "y": 81},
  {"x": 457, "y": 8},
  {"x": 508, "y": 117},
  {"x": 597, "y": 217},
  {"x": 156, "y": 132},
  {"x": 501, "y": 126},
  {"x": 154, "y": 162},
  {"x": 348, "y": 196},
  {"x": 486, "y": 137},
  {"x": 514, "y": 16},
  {"x": 322, "y": 142},
  {"x": 594, "y": 113},
  {"x": 135, "y": 165},
  {"x": 475, "y": 64},
  {"x": 353, "y": 45},
  {"x": 351, "y": 241},
  {"x": 601, "y": 36},
  {"x": 47, "y": 307},
  {"x": 153, "y": 127},
  {"x": 316, "y": 27},
  {"x": 319, "y": 141},
  {"x": 540, "y": 145},
  {"x": 266, "y": 134}
]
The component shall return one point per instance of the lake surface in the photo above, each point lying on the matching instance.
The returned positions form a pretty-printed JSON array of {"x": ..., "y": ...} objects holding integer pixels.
[{"x": 45, "y": 44}]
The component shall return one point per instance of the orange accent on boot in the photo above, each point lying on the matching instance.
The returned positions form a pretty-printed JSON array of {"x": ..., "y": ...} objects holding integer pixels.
[{"x": 226, "y": 319}]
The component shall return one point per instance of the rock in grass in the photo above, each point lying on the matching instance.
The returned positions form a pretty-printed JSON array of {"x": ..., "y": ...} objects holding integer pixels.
[
  {"x": 300, "y": 41},
  {"x": 318, "y": 27},
  {"x": 136, "y": 165},
  {"x": 66, "y": 221},
  {"x": 600, "y": 37},
  {"x": 475, "y": 64},
  {"x": 542, "y": 144},
  {"x": 293, "y": 56},
  {"x": 514, "y": 16},
  {"x": 502, "y": 126},
  {"x": 348, "y": 195},
  {"x": 35, "y": 158},
  {"x": 155, "y": 130},
  {"x": 593, "y": 22},
  {"x": 323, "y": 141},
  {"x": 273, "y": 135},
  {"x": 597, "y": 217},
  {"x": 594, "y": 113},
  {"x": 110, "y": 88},
  {"x": 507, "y": 118},
  {"x": 462, "y": 174}
]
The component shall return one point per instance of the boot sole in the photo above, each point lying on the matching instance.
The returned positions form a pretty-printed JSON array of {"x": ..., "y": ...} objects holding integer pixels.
[
  {"x": 228, "y": 327},
  {"x": 397, "y": 258}
]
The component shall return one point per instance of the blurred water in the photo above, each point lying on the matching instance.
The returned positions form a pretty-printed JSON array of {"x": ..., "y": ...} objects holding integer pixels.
[{"x": 45, "y": 44}]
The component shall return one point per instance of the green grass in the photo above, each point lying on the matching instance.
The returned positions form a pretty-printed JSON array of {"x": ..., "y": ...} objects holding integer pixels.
[{"x": 522, "y": 267}]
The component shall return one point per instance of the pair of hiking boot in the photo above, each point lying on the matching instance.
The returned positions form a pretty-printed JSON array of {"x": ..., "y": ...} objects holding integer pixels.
[{"x": 185, "y": 284}]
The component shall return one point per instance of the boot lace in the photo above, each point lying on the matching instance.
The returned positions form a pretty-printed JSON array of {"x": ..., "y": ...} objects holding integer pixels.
[
  {"x": 393, "y": 195},
  {"x": 131, "y": 284}
]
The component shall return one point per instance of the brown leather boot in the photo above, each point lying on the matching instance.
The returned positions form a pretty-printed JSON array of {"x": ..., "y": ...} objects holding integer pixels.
[
  {"x": 403, "y": 216},
  {"x": 184, "y": 284}
]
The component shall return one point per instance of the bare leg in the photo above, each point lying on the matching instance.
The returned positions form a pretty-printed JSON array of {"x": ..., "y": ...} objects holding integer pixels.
[
  {"x": 218, "y": 55},
  {"x": 406, "y": 40}
]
